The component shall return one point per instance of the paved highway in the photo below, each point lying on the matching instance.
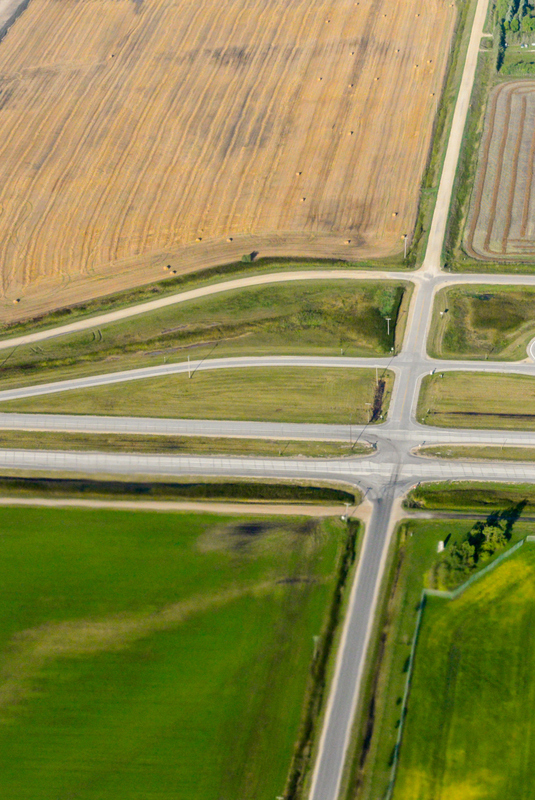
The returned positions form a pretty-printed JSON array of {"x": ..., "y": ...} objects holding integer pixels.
[{"x": 414, "y": 435}]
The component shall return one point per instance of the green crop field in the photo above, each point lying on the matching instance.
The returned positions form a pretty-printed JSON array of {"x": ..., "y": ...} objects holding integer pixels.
[
  {"x": 159, "y": 656},
  {"x": 478, "y": 400},
  {"x": 480, "y": 322},
  {"x": 290, "y": 394},
  {"x": 469, "y": 731},
  {"x": 319, "y": 317},
  {"x": 415, "y": 564}
]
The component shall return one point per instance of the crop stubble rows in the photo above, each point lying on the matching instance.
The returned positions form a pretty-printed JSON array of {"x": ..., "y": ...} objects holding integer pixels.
[
  {"x": 138, "y": 133},
  {"x": 502, "y": 222}
]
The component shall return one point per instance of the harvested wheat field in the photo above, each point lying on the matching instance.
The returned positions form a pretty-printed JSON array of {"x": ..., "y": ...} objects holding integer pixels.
[
  {"x": 140, "y": 134},
  {"x": 502, "y": 218}
]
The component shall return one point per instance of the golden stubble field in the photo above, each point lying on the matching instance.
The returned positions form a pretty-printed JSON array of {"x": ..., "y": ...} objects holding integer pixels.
[
  {"x": 502, "y": 223},
  {"x": 139, "y": 134}
]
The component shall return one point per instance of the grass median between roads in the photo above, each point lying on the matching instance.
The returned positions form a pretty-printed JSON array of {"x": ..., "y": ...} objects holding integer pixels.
[
  {"x": 169, "y": 655},
  {"x": 178, "y": 445},
  {"x": 479, "y": 452},
  {"x": 282, "y": 394},
  {"x": 470, "y": 723},
  {"x": 415, "y": 564},
  {"x": 477, "y": 400},
  {"x": 485, "y": 497},
  {"x": 480, "y": 322},
  {"x": 298, "y": 318}
]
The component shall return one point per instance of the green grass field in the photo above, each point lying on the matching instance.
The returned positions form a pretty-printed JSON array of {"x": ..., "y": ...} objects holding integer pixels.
[
  {"x": 519, "y": 61},
  {"x": 478, "y": 400},
  {"x": 469, "y": 732},
  {"x": 480, "y": 452},
  {"x": 414, "y": 565},
  {"x": 483, "y": 322},
  {"x": 157, "y": 655},
  {"x": 471, "y": 496},
  {"x": 198, "y": 445},
  {"x": 289, "y": 394},
  {"x": 320, "y": 317}
]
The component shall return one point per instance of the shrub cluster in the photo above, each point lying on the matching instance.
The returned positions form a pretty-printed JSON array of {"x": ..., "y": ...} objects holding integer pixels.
[{"x": 484, "y": 540}]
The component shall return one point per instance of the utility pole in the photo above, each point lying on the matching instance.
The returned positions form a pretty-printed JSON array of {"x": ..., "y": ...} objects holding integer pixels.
[
  {"x": 388, "y": 325},
  {"x": 189, "y": 369}
]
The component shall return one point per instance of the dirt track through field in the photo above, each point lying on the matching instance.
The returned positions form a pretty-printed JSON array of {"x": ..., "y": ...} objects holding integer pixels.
[
  {"x": 168, "y": 506},
  {"x": 501, "y": 227},
  {"x": 140, "y": 135}
]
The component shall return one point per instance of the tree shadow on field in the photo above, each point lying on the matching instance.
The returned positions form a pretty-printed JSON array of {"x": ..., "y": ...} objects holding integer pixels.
[{"x": 511, "y": 515}]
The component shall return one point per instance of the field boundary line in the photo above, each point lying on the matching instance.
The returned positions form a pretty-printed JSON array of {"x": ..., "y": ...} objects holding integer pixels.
[
  {"x": 446, "y": 595},
  {"x": 404, "y": 702}
]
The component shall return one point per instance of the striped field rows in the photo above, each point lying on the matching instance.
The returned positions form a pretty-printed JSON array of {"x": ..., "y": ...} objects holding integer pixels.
[
  {"x": 138, "y": 134},
  {"x": 502, "y": 220}
]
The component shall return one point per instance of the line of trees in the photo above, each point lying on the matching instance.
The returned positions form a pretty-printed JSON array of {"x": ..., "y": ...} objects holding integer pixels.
[{"x": 516, "y": 16}]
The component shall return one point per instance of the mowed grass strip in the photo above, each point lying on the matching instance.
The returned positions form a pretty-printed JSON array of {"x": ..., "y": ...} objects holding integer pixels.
[
  {"x": 478, "y": 400},
  {"x": 198, "y": 445},
  {"x": 479, "y": 496},
  {"x": 479, "y": 452},
  {"x": 293, "y": 318},
  {"x": 479, "y": 322},
  {"x": 157, "y": 655},
  {"x": 289, "y": 394},
  {"x": 469, "y": 728}
]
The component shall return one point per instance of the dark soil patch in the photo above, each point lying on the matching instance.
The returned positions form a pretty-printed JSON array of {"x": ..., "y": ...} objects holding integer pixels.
[
  {"x": 482, "y": 414},
  {"x": 378, "y": 400}
]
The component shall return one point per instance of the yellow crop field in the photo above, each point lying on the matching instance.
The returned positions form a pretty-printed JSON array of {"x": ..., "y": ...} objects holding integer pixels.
[{"x": 134, "y": 135}]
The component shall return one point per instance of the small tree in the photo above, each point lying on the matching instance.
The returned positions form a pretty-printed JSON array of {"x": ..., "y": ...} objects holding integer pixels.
[{"x": 528, "y": 25}]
